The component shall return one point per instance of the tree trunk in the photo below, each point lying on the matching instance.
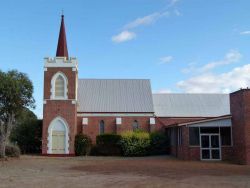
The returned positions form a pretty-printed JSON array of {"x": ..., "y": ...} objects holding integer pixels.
[
  {"x": 5, "y": 130},
  {"x": 2, "y": 147}
]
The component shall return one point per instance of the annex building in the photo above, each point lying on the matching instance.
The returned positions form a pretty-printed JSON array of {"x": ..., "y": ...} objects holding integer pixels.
[{"x": 200, "y": 126}]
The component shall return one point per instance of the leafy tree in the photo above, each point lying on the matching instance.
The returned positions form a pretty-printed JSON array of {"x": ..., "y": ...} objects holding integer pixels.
[
  {"x": 15, "y": 93},
  {"x": 27, "y": 133}
]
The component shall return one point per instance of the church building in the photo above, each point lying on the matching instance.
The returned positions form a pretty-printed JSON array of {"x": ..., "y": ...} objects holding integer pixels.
[{"x": 199, "y": 126}]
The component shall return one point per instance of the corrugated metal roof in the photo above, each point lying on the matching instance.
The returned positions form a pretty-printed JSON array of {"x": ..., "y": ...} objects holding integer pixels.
[
  {"x": 191, "y": 105},
  {"x": 114, "y": 95}
]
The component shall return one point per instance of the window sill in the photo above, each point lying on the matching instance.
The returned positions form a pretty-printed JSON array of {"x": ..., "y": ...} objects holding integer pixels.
[{"x": 58, "y": 99}]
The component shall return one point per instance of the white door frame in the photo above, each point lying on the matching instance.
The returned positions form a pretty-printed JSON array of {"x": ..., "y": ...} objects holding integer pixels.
[
  {"x": 210, "y": 147},
  {"x": 50, "y": 129}
]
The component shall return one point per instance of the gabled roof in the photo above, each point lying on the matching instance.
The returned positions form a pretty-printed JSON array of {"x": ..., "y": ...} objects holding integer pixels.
[
  {"x": 114, "y": 95},
  {"x": 191, "y": 105}
]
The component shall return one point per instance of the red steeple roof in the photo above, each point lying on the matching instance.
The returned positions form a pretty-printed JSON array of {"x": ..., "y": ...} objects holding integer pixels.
[{"x": 62, "y": 50}]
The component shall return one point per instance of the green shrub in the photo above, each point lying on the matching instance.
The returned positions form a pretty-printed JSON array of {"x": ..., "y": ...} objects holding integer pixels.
[
  {"x": 12, "y": 150},
  {"x": 82, "y": 145},
  {"x": 135, "y": 143},
  {"x": 107, "y": 145},
  {"x": 158, "y": 143}
]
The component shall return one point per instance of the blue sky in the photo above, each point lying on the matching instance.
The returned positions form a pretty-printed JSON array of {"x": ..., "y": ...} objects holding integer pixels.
[{"x": 181, "y": 45}]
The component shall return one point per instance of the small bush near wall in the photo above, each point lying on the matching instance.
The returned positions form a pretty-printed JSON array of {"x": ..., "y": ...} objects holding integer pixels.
[
  {"x": 83, "y": 145},
  {"x": 12, "y": 150},
  {"x": 135, "y": 143},
  {"x": 158, "y": 143},
  {"x": 107, "y": 145}
]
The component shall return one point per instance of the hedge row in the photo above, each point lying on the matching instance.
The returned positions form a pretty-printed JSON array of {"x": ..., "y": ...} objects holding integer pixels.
[{"x": 137, "y": 143}]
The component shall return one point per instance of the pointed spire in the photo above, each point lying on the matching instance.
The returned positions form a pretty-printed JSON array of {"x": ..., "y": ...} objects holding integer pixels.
[{"x": 62, "y": 50}]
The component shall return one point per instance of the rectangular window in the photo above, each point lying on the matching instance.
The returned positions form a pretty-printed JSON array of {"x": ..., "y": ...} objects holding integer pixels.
[
  {"x": 225, "y": 134},
  {"x": 194, "y": 136}
]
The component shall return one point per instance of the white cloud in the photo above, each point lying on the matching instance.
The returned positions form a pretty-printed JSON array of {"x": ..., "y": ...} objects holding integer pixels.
[
  {"x": 232, "y": 56},
  {"x": 173, "y": 2},
  {"x": 166, "y": 59},
  {"x": 126, "y": 34},
  {"x": 190, "y": 68},
  {"x": 217, "y": 83},
  {"x": 245, "y": 33},
  {"x": 146, "y": 20},
  {"x": 123, "y": 37}
]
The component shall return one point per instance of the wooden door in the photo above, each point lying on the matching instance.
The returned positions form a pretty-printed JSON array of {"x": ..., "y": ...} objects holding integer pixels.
[{"x": 58, "y": 142}]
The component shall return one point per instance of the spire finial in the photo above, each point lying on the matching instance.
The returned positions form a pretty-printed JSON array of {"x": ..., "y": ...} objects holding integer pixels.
[{"x": 62, "y": 50}]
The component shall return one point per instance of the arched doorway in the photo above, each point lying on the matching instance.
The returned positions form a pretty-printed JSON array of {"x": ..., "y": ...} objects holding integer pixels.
[{"x": 58, "y": 138}]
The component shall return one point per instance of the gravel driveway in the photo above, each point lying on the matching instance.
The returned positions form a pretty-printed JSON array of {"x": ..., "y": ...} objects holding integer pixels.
[{"x": 36, "y": 171}]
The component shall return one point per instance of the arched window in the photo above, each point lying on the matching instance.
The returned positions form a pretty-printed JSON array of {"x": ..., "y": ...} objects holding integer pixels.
[
  {"x": 101, "y": 127},
  {"x": 135, "y": 125},
  {"x": 59, "y": 84},
  {"x": 59, "y": 87}
]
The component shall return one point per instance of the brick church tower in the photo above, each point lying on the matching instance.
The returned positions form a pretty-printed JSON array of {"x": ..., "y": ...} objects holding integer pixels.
[{"x": 60, "y": 96}]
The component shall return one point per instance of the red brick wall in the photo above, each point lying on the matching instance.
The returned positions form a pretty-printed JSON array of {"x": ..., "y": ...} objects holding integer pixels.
[
  {"x": 184, "y": 151},
  {"x": 226, "y": 153},
  {"x": 92, "y": 129},
  {"x": 62, "y": 108},
  {"x": 71, "y": 76},
  {"x": 240, "y": 110}
]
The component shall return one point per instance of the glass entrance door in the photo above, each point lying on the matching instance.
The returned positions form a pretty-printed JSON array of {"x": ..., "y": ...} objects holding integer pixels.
[{"x": 210, "y": 147}]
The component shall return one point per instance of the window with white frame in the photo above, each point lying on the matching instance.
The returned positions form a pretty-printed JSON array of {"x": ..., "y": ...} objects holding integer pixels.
[{"x": 59, "y": 86}]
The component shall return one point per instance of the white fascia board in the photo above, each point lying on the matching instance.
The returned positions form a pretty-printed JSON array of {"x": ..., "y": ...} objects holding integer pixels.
[
  {"x": 205, "y": 120},
  {"x": 215, "y": 123},
  {"x": 114, "y": 114}
]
